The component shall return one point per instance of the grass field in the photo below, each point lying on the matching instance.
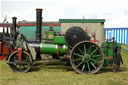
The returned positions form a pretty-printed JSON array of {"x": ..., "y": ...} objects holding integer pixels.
[{"x": 58, "y": 74}]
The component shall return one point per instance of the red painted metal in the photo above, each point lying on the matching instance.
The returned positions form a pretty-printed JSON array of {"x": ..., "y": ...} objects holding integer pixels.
[
  {"x": 18, "y": 25},
  {"x": 0, "y": 46},
  {"x": 108, "y": 57},
  {"x": 94, "y": 36},
  {"x": 4, "y": 53},
  {"x": 86, "y": 29},
  {"x": 51, "y": 24},
  {"x": 26, "y": 24},
  {"x": 12, "y": 50},
  {"x": 7, "y": 26},
  {"x": 4, "y": 25},
  {"x": 42, "y": 24},
  {"x": 4, "y": 50},
  {"x": 94, "y": 41},
  {"x": 19, "y": 53}
]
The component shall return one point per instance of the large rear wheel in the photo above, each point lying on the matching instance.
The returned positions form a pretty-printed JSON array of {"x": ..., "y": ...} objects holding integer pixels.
[{"x": 86, "y": 58}]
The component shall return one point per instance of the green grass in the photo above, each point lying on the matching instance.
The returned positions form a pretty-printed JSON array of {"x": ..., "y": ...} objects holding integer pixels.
[
  {"x": 125, "y": 47},
  {"x": 58, "y": 74}
]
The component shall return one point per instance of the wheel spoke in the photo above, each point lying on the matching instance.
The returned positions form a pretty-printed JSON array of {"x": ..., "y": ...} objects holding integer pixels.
[
  {"x": 15, "y": 58},
  {"x": 27, "y": 59},
  {"x": 88, "y": 67},
  {"x": 80, "y": 50},
  {"x": 16, "y": 66},
  {"x": 93, "y": 65},
  {"x": 94, "y": 51},
  {"x": 78, "y": 54},
  {"x": 83, "y": 67},
  {"x": 23, "y": 66},
  {"x": 20, "y": 66},
  {"x": 89, "y": 49},
  {"x": 84, "y": 48},
  {"x": 95, "y": 61},
  {"x": 78, "y": 59},
  {"x": 79, "y": 64},
  {"x": 95, "y": 55}
]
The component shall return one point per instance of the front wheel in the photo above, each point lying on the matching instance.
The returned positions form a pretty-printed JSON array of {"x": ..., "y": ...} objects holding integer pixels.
[
  {"x": 86, "y": 58},
  {"x": 20, "y": 66}
]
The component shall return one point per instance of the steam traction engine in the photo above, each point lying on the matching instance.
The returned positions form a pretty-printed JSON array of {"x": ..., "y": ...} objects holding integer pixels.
[
  {"x": 85, "y": 56},
  {"x": 7, "y": 40}
]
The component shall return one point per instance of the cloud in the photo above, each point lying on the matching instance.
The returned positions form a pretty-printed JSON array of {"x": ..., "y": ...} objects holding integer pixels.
[
  {"x": 115, "y": 18},
  {"x": 114, "y": 11}
]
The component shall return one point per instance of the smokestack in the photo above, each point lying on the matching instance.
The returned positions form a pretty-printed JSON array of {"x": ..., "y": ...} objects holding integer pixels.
[
  {"x": 3, "y": 30},
  {"x": 13, "y": 26},
  {"x": 7, "y": 30},
  {"x": 38, "y": 25}
]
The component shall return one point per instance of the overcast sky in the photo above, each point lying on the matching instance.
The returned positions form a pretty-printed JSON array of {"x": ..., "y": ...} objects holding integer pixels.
[{"x": 115, "y": 12}]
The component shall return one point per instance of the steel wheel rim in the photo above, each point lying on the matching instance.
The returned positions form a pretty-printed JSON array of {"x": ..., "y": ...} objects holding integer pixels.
[
  {"x": 20, "y": 67},
  {"x": 83, "y": 59}
]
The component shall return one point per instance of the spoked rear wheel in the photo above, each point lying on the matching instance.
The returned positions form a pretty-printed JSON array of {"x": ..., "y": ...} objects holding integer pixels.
[
  {"x": 86, "y": 58},
  {"x": 20, "y": 66}
]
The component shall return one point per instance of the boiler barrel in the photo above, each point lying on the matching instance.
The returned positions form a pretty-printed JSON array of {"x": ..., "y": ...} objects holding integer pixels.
[{"x": 53, "y": 49}]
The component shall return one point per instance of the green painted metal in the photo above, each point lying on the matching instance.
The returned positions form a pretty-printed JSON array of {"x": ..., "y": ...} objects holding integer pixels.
[
  {"x": 53, "y": 49},
  {"x": 48, "y": 48},
  {"x": 50, "y": 35},
  {"x": 59, "y": 40},
  {"x": 62, "y": 49},
  {"x": 29, "y": 31},
  {"x": 81, "y": 20},
  {"x": 108, "y": 49}
]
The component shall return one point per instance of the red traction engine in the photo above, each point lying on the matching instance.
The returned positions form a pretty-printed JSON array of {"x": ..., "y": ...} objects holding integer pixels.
[{"x": 7, "y": 40}]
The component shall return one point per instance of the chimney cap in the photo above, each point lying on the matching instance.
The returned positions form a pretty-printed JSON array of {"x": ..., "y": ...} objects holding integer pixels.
[
  {"x": 39, "y": 9},
  {"x": 14, "y": 17}
]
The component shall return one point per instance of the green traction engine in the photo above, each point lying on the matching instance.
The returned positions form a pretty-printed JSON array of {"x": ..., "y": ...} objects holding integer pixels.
[{"x": 86, "y": 57}]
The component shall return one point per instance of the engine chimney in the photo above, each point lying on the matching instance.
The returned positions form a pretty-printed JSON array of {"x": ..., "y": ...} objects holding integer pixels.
[
  {"x": 13, "y": 29},
  {"x": 38, "y": 25}
]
